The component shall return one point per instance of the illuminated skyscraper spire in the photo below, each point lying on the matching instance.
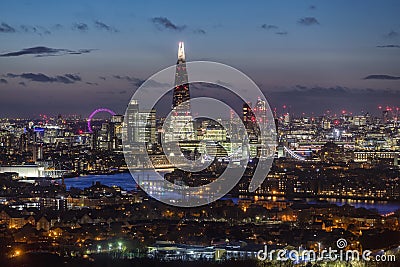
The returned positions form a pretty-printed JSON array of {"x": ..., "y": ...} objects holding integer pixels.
[
  {"x": 181, "y": 53},
  {"x": 181, "y": 90},
  {"x": 181, "y": 119}
]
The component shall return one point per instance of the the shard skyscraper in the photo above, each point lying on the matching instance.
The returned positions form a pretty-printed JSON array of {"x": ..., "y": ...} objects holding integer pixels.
[
  {"x": 181, "y": 124},
  {"x": 181, "y": 90}
]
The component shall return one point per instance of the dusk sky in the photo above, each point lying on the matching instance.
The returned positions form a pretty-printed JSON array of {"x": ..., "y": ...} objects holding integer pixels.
[{"x": 74, "y": 56}]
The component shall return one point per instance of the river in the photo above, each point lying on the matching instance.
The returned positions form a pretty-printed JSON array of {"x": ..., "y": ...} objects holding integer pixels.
[{"x": 125, "y": 181}]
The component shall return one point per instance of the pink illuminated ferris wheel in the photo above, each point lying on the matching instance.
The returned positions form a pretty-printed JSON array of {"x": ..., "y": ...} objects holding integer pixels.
[{"x": 94, "y": 113}]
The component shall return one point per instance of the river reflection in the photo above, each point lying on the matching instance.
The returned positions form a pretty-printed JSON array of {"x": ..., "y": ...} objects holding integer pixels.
[{"x": 125, "y": 181}]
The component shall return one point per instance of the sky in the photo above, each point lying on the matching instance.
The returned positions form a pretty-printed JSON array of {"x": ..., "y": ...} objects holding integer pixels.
[{"x": 71, "y": 57}]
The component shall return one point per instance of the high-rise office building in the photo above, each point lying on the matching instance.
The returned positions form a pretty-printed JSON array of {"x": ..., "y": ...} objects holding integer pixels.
[
  {"x": 141, "y": 125},
  {"x": 181, "y": 89},
  {"x": 147, "y": 127},
  {"x": 105, "y": 136},
  {"x": 132, "y": 117},
  {"x": 260, "y": 110},
  {"x": 116, "y": 131},
  {"x": 180, "y": 126},
  {"x": 250, "y": 122}
]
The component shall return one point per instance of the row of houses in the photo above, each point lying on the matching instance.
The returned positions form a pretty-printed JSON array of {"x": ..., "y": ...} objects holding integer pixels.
[{"x": 16, "y": 219}]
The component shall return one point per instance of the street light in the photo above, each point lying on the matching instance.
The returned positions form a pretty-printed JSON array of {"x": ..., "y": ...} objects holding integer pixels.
[{"x": 17, "y": 253}]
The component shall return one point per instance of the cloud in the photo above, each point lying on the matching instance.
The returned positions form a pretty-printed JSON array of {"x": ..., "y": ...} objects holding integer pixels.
[
  {"x": 40, "y": 77},
  {"x": 3, "y": 81},
  {"x": 135, "y": 81},
  {"x": 269, "y": 27},
  {"x": 388, "y": 46},
  {"x": 199, "y": 31},
  {"x": 138, "y": 82},
  {"x": 318, "y": 99},
  {"x": 110, "y": 92},
  {"x": 273, "y": 27},
  {"x": 27, "y": 28},
  {"x": 4, "y": 27},
  {"x": 203, "y": 85},
  {"x": 90, "y": 83},
  {"x": 102, "y": 77},
  {"x": 308, "y": 21},
  {"x": 321, "y": 90},
  {"x": 105, "y": 92},
  {"x": 58, "y": 26},
  {"x": 40, "y": 30},
  {"x": 43, "y": 30},
  {"x": 225, "y": 84},
  {"x": 153, "y": 83},
  {"x": 336, "y": 90},
  {"x": 22, "y": 83},
  {"x": 164, "y": 23},
  {"x": 102, "y": 26},
  {"x": 83, "y": 27},
  {"x": 43, "y": 51},
  {"x": 73, "y": 77},
  {"x": 381, "y": 77},
  {"x": 392, "y": 34}
]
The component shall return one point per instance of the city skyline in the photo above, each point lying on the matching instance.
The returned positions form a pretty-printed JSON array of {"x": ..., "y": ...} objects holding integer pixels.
[
  {"x": 301, "y": 54},
  {"x": 210, "y": 133}
]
